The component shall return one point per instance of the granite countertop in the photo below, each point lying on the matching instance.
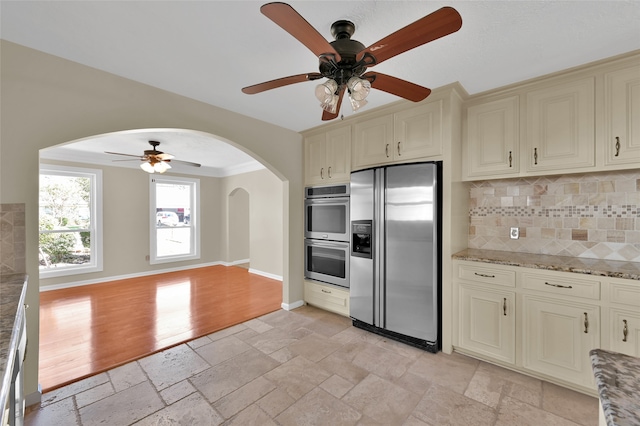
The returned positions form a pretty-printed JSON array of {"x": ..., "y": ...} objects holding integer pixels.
[
  {"x": 11, "y": 297},
  {"x": 600, "y": 267},
  {"x": 618, "y": 380}
]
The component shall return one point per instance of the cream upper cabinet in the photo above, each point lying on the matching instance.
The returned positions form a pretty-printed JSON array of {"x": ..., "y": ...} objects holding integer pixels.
[
  {"x": 560, "y": 127},
  {"x": 557, "y": 337},
  {"x": 328, "y": 157},
  {"x": 492, "y": 137},
  {"x": 622, "y": 117},
  {"x": 407, "y": 135}
]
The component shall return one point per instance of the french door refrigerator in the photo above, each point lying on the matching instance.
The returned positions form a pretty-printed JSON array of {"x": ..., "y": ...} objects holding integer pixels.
[{"x": 395, "y": 252}]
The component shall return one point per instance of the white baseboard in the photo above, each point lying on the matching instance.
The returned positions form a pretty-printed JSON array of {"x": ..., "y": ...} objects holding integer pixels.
[
  {"x": 266, "y": 274},
  {"x": 291, "y": 306},
  {"x": 34, "y": 398},
  {"x": 127, "y": 276}
]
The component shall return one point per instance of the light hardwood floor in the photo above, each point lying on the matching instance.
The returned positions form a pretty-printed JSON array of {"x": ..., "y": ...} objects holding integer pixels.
[{"x": 90, "y": 329}]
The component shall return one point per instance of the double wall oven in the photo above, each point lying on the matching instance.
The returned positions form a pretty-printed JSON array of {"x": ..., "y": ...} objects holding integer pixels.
[{"x": 327, "y": 234}]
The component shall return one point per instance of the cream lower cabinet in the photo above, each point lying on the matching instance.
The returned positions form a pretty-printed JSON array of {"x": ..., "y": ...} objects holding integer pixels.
[
  {"x": 328, "y": 297},
  {"x": 623, "y": 331},
  {"x": 487, "y": 321},
  {"x": 557, "y": 337}
]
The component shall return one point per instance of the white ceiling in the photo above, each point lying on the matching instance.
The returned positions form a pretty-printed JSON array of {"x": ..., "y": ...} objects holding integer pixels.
[{"x": 209, "y": 50}]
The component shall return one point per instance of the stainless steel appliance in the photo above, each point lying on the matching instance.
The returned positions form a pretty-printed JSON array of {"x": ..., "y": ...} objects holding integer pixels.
[
  {"x": 395, "y": 278},
  {"x": 326, "y": 244},
  {"x": 327, "y": 261},
  {"x": 327, "y": 212}
]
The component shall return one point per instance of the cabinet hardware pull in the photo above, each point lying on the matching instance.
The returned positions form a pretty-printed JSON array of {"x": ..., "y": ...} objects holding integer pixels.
[
  {"x": 386, "y": 150},
  {"x": 485, "y": 275},
  {"x": 586, "y": 323},
  {"x": 510, "y": 160},
  {"x": 329, "y": 172},
  {"x": 617, "y": 146},
  {"x": 322, "y": 173},
  {"x": 504, "y": 306},
  {"x": 326, "y": 291},
  {"x": 399, "y": 149},
  {"x": 535, "y": 156},
  {"x": 625, "y": 331},
  {"x": 558, "y": 285}
]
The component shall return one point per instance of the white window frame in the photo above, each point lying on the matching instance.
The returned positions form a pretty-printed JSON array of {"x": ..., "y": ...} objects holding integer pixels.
[
  {"x": 194, "y": 220},
  {"x": 95, "y": 206}
]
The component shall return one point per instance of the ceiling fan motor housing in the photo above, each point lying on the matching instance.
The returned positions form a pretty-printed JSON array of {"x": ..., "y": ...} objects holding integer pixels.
[{"x": 348, "y": 49}]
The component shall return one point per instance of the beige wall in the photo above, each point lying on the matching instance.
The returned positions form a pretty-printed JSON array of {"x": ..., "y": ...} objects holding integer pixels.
[
  {"x": 46, "y": 101},
  {"x": 126, "y": 225},
  {"x": 265, "y": 218}
]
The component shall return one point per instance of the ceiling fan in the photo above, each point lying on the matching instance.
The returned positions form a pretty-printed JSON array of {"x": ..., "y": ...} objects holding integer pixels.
[
  {"x": 344, "y": 61},
  {"x": 154, "y": 160}
]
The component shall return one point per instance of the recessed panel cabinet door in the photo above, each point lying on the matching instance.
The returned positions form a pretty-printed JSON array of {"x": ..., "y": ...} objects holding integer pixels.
[
  {"x": 624, "y": 331},
  {"x": 418, "y": 132},
  {"x": 487, "y": 322},
  {"x": 622, "y": 116},
  {"x": 557, "y": 338},
  {"x": 560, "y": 127},
  {"x": 492, "y": 139},
  {"x": 315, "y": 158}
]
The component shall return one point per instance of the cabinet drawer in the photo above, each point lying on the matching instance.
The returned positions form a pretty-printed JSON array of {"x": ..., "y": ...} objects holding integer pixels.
[
  {"x": 327, "y": 297},
  {"x": 562, "y": 285},
  {"x": 627, "y": 294},
  {"x": 487, "y": 274}
]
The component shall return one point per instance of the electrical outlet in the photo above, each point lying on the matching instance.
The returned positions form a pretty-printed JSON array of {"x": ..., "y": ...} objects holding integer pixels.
[
  {"x": 146, "y": 257},
  {"x": 515, "y": 233}
]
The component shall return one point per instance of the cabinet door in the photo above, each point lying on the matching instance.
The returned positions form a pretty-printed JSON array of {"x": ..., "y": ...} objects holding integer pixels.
[
  {"x": 487, "y": 322},
  {"x": 624, "y": 331},
  {"x": 622, "y": 117},
  {"x": 315, "y": 156},
  {"x": 373, "y": 142},
  {"x": 418, "y": 132},
  {"x": 560, "y": 127},
  {"x": 493, "y": 135},
  {"x": 557, "y": 338},
  {"x": 338, "y": 160}
]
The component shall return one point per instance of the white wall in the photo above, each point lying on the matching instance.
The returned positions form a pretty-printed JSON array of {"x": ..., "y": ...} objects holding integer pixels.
[{"x": 46, "y": 101}]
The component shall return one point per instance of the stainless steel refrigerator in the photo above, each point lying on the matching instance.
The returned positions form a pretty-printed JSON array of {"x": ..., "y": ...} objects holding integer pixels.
[{"x": 395, "y": 252}]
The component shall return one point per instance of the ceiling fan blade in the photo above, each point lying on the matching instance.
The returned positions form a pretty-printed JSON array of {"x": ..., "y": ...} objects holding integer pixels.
[
  {"x": 397, "y": 86},
  {"x": 164, "y": 156},
  {"x": 128, "y": 155},
  {"x": 291, "y": 21},
  {"x": 284, "y": 81},
  {"x": 438, "y": 24},
  {"x": 187, "y": 163},
  {"x": 326, "y": 115},
  {"x": 128, "y": 159}
]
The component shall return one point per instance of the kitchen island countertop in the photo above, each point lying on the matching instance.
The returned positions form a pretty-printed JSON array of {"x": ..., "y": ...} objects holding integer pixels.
[
  {"x": 11, "y": 296},
  {"x": 618, "y": 380},
  {"x": 580, "y": 265}
]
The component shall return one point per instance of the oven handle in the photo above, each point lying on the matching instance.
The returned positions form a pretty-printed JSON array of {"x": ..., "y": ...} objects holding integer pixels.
[
  {"x": 327, "y": 244},
  {"x": 328, "y": 200}
]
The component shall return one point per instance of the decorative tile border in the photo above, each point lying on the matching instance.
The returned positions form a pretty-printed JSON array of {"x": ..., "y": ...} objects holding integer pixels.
[
  {"x": 12, "y": 239},
  {"x": 593, "y": 215}
]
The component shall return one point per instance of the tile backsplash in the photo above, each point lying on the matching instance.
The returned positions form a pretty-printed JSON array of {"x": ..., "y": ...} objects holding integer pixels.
[
  {"x": 12, "y": 239},
  {"x": 595, "y": 215}
]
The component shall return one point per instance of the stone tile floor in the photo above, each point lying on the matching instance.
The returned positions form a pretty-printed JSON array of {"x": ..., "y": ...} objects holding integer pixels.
[{"x": 309, "y": 367}]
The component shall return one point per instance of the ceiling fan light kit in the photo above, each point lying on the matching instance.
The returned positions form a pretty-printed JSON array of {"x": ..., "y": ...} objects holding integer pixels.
[
  {"x": 154, "y": 161},
  {"x": 344, "y": 61}
]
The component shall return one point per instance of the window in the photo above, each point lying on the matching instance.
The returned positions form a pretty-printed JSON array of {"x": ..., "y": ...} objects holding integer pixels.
[
  {"x": 70, "y": 218},
  {"x": 174, "y": 219}
]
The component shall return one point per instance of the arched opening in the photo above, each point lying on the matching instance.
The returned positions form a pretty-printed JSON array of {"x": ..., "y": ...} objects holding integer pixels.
[{"x": 235, "y": 199}]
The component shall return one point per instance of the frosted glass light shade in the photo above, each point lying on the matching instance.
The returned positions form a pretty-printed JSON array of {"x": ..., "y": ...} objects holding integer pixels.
[{"x": 358, "y": 88}]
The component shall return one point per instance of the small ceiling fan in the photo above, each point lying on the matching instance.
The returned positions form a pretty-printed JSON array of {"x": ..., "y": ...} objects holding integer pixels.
[
  {"x": 344, "y": 61},
  {"x": 154, "y": 160}
]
